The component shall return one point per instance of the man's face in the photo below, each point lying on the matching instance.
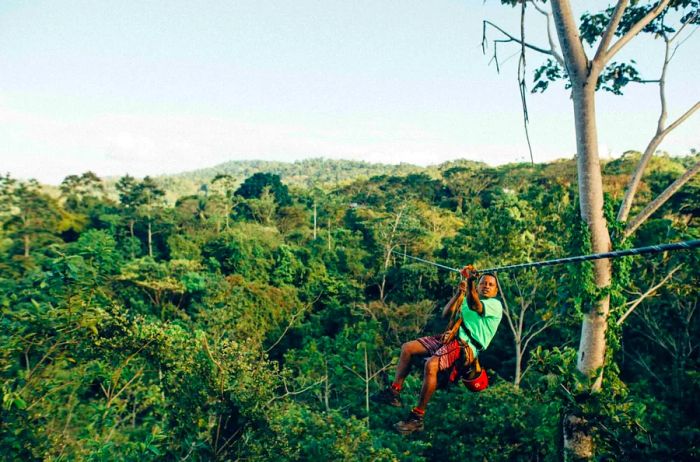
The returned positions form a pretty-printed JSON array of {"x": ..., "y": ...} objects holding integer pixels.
[{"x": 487, "y": 286}]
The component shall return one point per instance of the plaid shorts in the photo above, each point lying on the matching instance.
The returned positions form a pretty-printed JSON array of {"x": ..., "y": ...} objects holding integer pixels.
[{"x": 448, "y": 353}]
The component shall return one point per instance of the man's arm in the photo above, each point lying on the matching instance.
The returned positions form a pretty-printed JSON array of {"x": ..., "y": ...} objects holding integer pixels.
[
  {"x": 456, "y": 300},
  {"x": 473, "y": 300}
]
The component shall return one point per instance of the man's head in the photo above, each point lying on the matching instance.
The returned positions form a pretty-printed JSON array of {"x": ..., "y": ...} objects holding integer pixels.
[{"x": 488, "y": 285}]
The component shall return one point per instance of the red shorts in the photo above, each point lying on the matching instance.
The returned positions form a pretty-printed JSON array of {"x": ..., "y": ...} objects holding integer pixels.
[{"x": 448, "y": 353}]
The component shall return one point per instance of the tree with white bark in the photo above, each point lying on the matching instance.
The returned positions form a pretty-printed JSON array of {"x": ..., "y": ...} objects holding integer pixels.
[{"x": 582, "y": 52}]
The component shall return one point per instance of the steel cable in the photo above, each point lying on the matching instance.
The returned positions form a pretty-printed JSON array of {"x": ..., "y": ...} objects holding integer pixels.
[{"x": 686, "y": 245}]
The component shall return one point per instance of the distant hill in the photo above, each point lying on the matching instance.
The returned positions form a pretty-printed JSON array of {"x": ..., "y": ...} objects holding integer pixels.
[
  {"x": 323, "y": 173},
  {"x": 308, "y": 172},
  {"x": 334, "y": 173}
]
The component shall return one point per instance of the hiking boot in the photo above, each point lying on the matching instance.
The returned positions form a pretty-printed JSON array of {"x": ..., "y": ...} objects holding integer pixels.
[
  {"x": 388, "y": 396},
  {"x": 413, "y": 423}
]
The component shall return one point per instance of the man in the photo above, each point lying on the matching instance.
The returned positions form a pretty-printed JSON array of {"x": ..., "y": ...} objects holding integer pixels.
[{"x": 480, "y": 314}]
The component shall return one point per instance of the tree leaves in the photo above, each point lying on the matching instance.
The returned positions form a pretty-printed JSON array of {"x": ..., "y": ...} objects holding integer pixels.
[{"x": 251, "y": 340}]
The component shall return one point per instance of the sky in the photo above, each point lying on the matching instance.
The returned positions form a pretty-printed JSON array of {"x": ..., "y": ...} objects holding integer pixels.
[{"x": 161, "y": 87}]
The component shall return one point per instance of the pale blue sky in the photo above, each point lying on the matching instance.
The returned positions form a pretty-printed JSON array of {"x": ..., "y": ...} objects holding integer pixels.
[{"x": 150, "y": 87}]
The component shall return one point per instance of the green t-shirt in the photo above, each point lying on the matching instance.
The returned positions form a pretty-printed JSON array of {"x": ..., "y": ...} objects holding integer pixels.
[{"x": 482, "y": 328}]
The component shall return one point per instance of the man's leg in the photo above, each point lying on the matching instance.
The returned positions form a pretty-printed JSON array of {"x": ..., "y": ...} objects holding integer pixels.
[
  {"x": 414, "y": 421},
  {"x": 408, "y": 350},
  {"x": 432, "y": 366},
  {"x": 391, "y": 395}
]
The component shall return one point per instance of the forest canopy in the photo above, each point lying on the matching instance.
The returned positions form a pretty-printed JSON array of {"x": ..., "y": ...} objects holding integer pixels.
[{"x": 249, "y": 317}]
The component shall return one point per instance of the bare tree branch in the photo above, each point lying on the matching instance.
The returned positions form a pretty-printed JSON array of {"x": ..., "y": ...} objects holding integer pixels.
[
  {"x": 639, "y": 360},
  {"x": 291, "y": 321},
  {"x": 548, "y": 323},
  {"x": 533, "y": 327},
  {"x": 226, "y": 443},
  {"x": 507, "y": 309},
  {"x": 126, "y": 385},
  {"x": 654, "y": 205},
  {"x": 654, "y": 333},
  {"x": 690, "y": 20},
  {"x": 292, "y": 393},
  {"x": 610, "y": 31},
  {"x": 511, "y": 38},
  {"x": 517, "y": 323},
  {"x": 646, "y": 294},
  {"x": 661, "y": 132},
  {"x": 690, "y": 310},
  {"x": 682, "y": 118},
  {"x": 634, "y": 30},
  {"x": 550, "y": 36},
  {"x": 675, "y": 49},
  {"x": 49, "y": 392},
  {"x": 369, "y": 377}
]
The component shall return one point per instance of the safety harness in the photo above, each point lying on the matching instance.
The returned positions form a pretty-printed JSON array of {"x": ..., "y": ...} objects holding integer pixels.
[{"x": 467, "y": 368}]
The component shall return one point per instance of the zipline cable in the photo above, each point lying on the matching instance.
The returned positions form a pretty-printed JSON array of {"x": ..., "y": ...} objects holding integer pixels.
[
  {"x": 687, "y": 245},
  {"x": 426, "y": 261}
]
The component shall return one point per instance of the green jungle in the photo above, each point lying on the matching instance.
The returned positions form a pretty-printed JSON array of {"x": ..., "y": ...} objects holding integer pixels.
[{"x": 249, "y": 311}]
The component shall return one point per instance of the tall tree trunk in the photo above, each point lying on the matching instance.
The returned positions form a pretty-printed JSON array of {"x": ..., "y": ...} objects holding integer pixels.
[
  {"x": 591, "y": 353},
  {"x": 387, "y": 261},
  {"x": 584, "y": 73},
  {"x": 578, "y": 441},
  {"x": 330, "y": 236},
  {"x": 150, "y": 240},
  {"x": 326, "y": 388},
  {"x": 26, "y": 242},
  {"x": 131, "y": 232},
  {"x": 518, "y": 364},
  {"x": 367, "y": 380}
]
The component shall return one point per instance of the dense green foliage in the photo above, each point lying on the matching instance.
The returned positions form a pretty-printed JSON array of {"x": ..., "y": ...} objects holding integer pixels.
[{"x": 248, "y": 321}]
